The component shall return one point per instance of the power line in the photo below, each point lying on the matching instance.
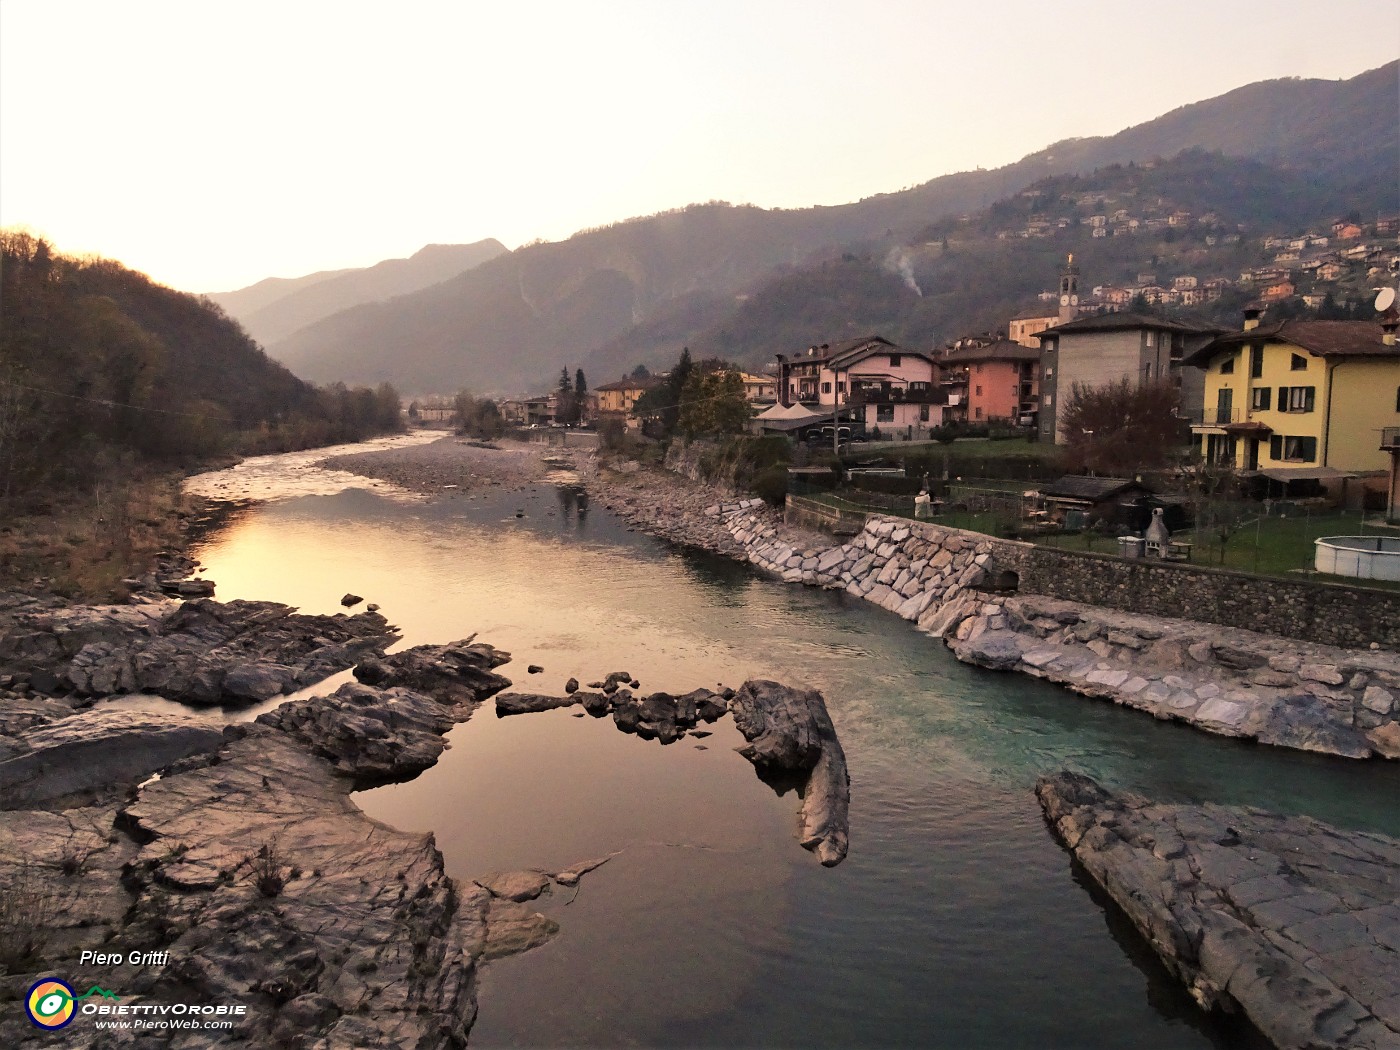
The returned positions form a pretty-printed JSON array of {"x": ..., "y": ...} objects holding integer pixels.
[{"x": 104, "y": 402}]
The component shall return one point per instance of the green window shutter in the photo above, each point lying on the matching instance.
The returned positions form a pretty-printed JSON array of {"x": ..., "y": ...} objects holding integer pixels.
[
  {"x": 1308, "y": 403},
  {"x": 1276, "y": 447},
  {"x": 1308, "y": 449}
]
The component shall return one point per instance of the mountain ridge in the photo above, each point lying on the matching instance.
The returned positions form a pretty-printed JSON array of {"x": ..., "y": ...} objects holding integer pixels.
[{"x": 512, "y": 322}]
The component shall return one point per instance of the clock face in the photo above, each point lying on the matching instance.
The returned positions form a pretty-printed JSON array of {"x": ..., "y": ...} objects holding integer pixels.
[
  {"x": 1074, "y": 300},
  {"x": 1064, "y": 300}
]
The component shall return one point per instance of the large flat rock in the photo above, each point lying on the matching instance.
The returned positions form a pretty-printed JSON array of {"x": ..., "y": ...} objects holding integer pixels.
[
  {"x": 98, "y": 753},
  {"x": 1290, "y": 920}
]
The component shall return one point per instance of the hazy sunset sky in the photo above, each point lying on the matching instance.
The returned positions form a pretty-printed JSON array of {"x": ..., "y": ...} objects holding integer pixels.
[{"x": 212, "y": 144}]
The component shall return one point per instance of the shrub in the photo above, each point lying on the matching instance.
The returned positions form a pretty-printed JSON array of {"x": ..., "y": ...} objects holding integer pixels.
[{"x": 771, "y": 485}]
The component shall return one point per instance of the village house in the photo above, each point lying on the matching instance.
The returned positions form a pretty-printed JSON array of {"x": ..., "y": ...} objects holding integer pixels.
[
  {"x": 1330, "y": 271},
  {"x": 761, "y": 390},
  {"x": 993, "y": 381},
  {"x": 540, "y": 410},
  {"x": 1299, "y": 400},
  {"x": 868, "y": 381},
  {"x": 1280, "y": 290},
  {"x": 616, "y": 399},
  {"x": 1106, "y": 348}
]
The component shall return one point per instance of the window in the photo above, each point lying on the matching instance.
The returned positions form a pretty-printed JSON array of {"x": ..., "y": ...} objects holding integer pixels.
[
  {"x": 841, "y": 386},
  {"x": 979, "y": 413},
  {"x": 1293, "y": 449},
  {"x": 1397, "y": 399},
  {"x": 1256, "y": 360},
  {"x": 1227, "y": 367},
  {"x": 979, "y": 368},
  {"x": 1261, "y": 397},
  {"x": 979, "y": 391},
  {"x": 1296, "y": 398},
  {"x": 923, "y": 413},
  {"x": 918, "y": 387},
  {"x": 884, "y": 413},
  {"x": 1299, "y": 363},
  {"x": 826, "y": 388},
  {"x": 1148, "y": 339},
  {"x": 895, "y": 359},
  {"x": 1050, "y": 371},
  {"x": 1045, "y": 400}
]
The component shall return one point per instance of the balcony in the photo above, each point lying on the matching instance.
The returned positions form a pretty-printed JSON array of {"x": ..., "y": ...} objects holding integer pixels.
[
  {"x": 1390, "y": 439},
  {"x": 1212, "y": 417}
]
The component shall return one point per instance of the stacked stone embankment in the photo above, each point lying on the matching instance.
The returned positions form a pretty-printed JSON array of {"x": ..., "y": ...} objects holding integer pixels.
[{"x": 957, "y": 586}]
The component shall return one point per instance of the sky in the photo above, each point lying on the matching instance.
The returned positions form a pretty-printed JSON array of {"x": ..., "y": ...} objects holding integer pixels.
[{"x": 213, "y": 144}]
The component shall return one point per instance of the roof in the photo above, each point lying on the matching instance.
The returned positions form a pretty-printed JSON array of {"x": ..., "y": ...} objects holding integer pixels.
[
  {"x": 630, "y": 384},
  {"x": 843, "y": 355},
  {"x": 1001, "y": 350},
  {"x": 1324, "y": 338},
  {"x": 1078, "y": 486},
  {"x": 1035, "y": 313},
  {"x": 789, "y": 412},
  {"x": 1125, "y": 320},
  {"x": 1304, "y": 473}
]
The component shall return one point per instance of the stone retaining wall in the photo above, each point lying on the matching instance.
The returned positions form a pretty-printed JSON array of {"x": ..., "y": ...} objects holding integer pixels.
[
  {"x": 1333, "y": 614},
  {"x": 1222, "y": 679}
]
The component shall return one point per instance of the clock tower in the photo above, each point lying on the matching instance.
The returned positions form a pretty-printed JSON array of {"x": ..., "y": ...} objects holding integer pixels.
[{"x": 1069, "y": 291}]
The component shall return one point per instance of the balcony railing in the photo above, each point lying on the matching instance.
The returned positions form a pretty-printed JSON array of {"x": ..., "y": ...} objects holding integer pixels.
[
  {"x": 1390, "y": 439},
  {"x": 1212, "y": 417}
]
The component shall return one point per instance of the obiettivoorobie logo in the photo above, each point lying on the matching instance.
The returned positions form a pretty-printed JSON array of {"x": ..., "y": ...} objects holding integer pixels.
[{"x": 51, "y": 1003}]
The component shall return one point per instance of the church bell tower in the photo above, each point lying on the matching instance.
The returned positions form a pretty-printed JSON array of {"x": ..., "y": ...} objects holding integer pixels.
[{"x": 1069, "y": 291}]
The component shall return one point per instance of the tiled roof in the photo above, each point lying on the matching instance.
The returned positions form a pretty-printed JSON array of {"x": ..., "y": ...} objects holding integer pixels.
[
  {"x": 1002, "y": 350},
  {"x": 1125, "y": 320},
  {"x": 1324, "y": 338},
  {"x": 1077, "y": 486}
]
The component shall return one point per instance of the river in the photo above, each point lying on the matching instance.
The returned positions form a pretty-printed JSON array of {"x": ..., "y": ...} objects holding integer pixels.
[{"x": 957, "y": 921}]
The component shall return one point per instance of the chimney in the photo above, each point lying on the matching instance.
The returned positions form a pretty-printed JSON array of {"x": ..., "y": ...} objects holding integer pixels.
[
  {"x": 1252, "y": 313},
  {"x": 782, "y": 380}
]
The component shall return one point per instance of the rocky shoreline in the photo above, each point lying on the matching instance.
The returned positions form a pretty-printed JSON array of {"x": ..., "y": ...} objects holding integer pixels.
[
  {"x": 235, "y": 856},
  {"x": 1222, "y": 680},
  {"x": 1289, "y": 920}
]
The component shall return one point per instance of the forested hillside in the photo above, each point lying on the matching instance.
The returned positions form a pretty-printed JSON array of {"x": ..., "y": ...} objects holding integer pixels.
[
  {"x": 101, "y": 368},
  {"x": 633, "y": 290}
]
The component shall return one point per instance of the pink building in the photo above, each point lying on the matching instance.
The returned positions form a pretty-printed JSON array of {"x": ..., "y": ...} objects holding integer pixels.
[{"x": 872, "y": 380}]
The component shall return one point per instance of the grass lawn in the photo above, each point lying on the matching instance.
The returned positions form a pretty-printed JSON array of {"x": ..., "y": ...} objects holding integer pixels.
[
  {"x": 964, "y": 448},
  {"x": 1267, "y": 546}
]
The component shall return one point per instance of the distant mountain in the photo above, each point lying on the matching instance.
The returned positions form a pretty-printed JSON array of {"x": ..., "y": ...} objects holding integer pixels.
[
  {"x": 636, "y": 290},
  {"x": 250, "y": 300},
  {"x": 274, "y": 308}
]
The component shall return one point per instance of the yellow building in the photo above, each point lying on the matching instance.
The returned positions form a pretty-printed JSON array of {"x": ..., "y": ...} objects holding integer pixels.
[
  {"x": 618, "y": 398},
  {"x": 1299, "y": 400}
]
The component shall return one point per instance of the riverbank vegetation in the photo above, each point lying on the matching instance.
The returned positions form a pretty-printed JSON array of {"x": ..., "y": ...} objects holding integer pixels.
[
  {"x": 104, "y": 373},
  {"x": 112, "y": 387}
]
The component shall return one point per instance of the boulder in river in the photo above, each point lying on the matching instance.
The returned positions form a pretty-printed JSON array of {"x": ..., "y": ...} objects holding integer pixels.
[{"x": 789, "y": 731}]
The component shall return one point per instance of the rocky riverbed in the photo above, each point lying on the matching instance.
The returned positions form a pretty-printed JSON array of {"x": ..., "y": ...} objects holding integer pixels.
[
  {"x": 1292, "y": 921},
  {"x": 235, "y": 866},
  {"x": 454, "y": 465}
]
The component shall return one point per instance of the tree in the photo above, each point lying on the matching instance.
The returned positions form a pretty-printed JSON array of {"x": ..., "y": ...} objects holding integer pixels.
[
  {"x": 641, "y": 372},
  {"x": 1121, "y": 427},
  {"x": 580, "y": 396},
  {"x": 713, "y": 402}
]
